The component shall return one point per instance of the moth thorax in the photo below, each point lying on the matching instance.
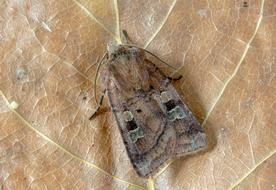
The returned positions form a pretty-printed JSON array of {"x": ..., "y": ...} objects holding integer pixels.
[
  {"x": 127, "y": 116},
  {"x": 165, "y": 96}
]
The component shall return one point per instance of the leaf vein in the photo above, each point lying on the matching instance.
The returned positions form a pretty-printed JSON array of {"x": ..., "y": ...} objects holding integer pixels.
[
  {"x": 76, "y": 157},
  {"x": 252, "y": 170},
  {"x": 88, "y": 13},
  {"x": 238, "y": 66},
  {"x": 162, "y": 24}
]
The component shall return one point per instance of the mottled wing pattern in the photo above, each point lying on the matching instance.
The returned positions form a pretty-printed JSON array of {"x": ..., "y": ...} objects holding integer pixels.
[{"x": 155, "y": 124}]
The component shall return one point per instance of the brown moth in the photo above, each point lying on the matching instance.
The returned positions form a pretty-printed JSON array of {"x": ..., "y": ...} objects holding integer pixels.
[{"x": 155, "y": 123}]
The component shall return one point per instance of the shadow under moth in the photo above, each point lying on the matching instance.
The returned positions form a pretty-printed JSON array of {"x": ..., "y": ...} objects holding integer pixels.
[{"x": 154, "y": 122}]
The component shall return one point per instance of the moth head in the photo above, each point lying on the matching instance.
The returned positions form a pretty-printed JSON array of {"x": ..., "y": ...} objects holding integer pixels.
[
  {"x": 121, "y": 51},
  {"x": 112, "y": 48}
]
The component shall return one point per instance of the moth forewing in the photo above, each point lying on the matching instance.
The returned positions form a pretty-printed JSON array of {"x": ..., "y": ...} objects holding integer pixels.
[{"x": 154, "y": 122}]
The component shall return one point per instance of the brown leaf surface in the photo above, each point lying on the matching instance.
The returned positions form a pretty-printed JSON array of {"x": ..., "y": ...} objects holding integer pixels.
[{"x": 226, "y": 51}]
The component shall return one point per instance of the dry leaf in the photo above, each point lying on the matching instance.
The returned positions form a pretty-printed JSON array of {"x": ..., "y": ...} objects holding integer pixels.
[{"x": 226, "y": 51}]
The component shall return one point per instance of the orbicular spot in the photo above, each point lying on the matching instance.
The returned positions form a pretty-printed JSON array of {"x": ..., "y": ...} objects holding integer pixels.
[
  {"x": 165, "y": 96},
  {"x": 135, "y": 134},
  {"x": 127, "y": 116},
  {"x": 176, "y": 113},
  {"x": 129, "y": 119},
  {"x": 131, "y": 125},
  {"x": 167, "y": 100},
  {"x": 170, "y": 105}
]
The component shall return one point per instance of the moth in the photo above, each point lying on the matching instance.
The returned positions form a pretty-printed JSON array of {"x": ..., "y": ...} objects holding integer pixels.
[{"x": 154, "y": 122}]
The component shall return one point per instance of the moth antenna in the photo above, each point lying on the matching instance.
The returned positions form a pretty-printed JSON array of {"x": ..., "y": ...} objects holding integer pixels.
[
  {"x": 164, "y": 62},
  {"x": 96, "y": 76}
]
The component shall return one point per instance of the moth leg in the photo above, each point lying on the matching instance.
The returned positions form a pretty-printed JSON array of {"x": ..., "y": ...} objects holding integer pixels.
[
  {"x": 126, "y": 38},
  {"x": 99, "y": 106}
]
